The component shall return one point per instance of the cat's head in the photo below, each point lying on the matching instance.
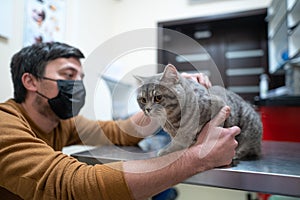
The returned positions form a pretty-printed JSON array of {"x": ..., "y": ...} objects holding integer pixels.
[{"x": 161, "y": 93}]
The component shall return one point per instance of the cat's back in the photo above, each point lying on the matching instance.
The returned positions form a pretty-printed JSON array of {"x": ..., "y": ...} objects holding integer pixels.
[{"x": 242, "y": 112}]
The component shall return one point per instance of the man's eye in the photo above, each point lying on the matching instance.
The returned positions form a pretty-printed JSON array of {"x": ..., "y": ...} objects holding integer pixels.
[
  {"x": 158, "y": 98},
  {"x": 69, "y": 75}
]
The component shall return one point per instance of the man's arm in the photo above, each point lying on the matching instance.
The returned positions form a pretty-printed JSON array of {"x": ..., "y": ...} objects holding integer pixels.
[{"x": 215, "y": 147}]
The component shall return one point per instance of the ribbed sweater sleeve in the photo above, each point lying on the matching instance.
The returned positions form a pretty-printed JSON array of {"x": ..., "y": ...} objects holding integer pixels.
[
  {"x": 122, "y": 132},
  {"x": 32, "y": 169}
]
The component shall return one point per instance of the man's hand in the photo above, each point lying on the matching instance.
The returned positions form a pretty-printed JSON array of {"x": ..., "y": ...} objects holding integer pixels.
[
  {"x": 216, "y": 145},
  {"x": 199, "y": 77}
]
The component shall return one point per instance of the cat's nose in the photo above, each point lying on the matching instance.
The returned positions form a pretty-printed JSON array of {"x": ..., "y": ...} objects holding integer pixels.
[{"x": 148, "y": 110}]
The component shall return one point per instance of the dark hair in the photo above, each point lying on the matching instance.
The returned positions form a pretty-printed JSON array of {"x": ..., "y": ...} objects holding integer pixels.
[{"x": 33, "y": 59}]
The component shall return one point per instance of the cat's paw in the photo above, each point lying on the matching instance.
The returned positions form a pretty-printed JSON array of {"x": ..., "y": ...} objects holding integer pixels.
[{"x": 234, "y": 162}]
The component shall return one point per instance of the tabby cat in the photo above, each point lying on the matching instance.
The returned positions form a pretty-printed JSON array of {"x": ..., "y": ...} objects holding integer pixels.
[{"x": 183, "y": 107}]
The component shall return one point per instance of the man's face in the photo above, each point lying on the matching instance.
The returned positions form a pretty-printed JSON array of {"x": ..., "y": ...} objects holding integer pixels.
[{"x": 58, "y": 69}]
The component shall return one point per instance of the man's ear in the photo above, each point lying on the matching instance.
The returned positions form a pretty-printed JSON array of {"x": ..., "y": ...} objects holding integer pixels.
[{"x": 29, "y": 82}]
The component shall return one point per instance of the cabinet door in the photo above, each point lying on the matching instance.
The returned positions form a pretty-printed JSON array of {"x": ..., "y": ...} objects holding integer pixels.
[
  {"x": 236, "y": 43},
  {"x": 246, "y": 55},
  {"x": 190, "y": 54}
]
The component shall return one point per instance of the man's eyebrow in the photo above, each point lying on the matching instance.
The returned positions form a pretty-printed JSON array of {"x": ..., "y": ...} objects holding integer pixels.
[{"x": 68, "y": 67}]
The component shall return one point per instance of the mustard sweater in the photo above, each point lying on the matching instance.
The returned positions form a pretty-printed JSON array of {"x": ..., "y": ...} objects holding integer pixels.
[{"x": 32, "y": 165}]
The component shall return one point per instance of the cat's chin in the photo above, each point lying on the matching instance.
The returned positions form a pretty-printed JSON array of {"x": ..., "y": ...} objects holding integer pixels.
[
  {"x": 147, "y": 114},
  {"x": 155, "y": 115}
]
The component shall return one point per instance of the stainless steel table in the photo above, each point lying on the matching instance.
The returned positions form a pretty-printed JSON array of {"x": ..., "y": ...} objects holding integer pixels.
[{"x": 277, "y": 172}]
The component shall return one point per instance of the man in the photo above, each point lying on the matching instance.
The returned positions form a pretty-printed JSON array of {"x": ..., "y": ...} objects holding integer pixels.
[{"x": 43, "y": 117}]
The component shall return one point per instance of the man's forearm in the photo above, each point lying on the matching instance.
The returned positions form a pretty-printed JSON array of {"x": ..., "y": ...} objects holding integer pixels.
[{"x": 146, "y": 178}]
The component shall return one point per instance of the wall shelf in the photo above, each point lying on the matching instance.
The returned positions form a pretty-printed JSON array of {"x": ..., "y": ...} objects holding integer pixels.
[
  {"x": 294, "y": 42},
  {"x": 294, "y": 14},
  {"x": 284, "y": 32}
]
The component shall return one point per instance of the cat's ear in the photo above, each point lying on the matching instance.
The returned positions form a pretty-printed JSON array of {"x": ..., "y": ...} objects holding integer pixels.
[
  {"x": 140, "y": 79},
  {"x": 170, "y": 74}
]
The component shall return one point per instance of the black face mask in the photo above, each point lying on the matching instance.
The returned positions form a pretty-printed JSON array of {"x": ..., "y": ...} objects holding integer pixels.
[{"x": 70, "y": 98}]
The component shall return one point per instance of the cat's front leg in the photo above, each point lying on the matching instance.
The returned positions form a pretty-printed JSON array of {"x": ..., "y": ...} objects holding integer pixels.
[
  {"x": 171, "y": 148},
  {"x": 179, "y": 142}
]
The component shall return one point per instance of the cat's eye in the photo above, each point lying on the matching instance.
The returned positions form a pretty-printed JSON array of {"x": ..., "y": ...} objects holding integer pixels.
[
  {"x": 143, "y": 100},
  {"x": 157, "y": 98}
]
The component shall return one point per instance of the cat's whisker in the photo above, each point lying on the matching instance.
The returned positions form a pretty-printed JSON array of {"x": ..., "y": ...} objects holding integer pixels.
[{"x": 171, "y": 125}]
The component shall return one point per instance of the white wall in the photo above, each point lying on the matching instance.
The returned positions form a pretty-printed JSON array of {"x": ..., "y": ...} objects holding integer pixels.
[
  {"x": 92, "y": 22},
  {"x": 88, "y": 23},
  {"x": 132, "y": 14},
  {"x": 8, "y": 47}
]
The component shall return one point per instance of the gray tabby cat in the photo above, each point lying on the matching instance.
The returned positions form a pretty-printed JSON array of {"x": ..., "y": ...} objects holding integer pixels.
[{"x": 183, "y": 107}]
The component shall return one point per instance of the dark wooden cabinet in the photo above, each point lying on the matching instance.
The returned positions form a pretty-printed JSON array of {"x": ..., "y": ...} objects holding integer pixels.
[{"x": 237, "y": 44}]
